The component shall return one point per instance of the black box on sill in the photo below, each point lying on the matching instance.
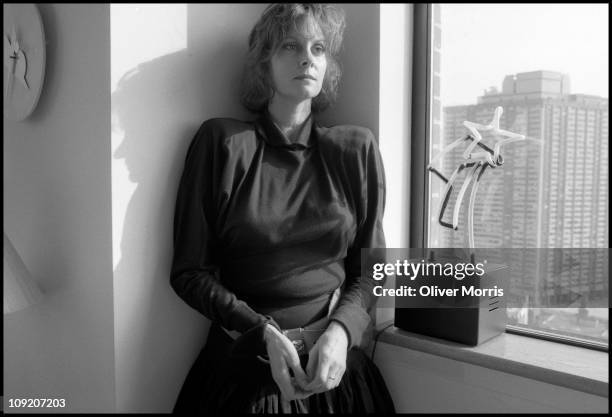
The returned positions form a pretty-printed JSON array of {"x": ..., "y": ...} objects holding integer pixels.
[{"x": 483, "y": 320}]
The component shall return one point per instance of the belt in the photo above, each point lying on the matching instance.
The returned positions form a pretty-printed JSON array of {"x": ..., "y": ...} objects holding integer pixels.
[{"x": 304, "y": 338}]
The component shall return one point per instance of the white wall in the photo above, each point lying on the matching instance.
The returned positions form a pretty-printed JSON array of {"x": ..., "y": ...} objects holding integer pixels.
[
  {"x": 358, "y": 100},
  {"x": 184, "y": 64},
  {"x": 57, "y": 213},
  {"x": 395, "y": 118}
]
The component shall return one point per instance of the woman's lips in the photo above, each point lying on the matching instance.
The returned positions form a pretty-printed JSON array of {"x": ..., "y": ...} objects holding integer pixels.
[{"x": 305, "y": 77}]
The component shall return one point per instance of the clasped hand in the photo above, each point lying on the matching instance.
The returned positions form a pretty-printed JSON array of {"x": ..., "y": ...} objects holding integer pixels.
[{"x": 325, "y": 368}]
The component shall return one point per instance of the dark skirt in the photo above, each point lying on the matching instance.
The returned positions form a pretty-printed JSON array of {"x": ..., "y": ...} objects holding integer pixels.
[{"x": 218, "y": 383}]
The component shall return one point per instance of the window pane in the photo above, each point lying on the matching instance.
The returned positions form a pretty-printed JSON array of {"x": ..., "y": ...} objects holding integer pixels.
[{"x": 549, "y": 190}]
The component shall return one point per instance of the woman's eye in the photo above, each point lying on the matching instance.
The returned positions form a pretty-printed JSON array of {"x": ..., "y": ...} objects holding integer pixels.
[
  {"x": 290, "y": 46},
  {"x": 319, "y": 49}
]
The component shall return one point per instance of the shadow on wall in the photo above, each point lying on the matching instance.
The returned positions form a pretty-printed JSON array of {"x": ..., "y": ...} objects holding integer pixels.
[{"x": 155, "y": 107}]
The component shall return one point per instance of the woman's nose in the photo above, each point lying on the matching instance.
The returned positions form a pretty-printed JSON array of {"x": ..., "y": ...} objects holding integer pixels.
[{"x": 306, "y": 59}]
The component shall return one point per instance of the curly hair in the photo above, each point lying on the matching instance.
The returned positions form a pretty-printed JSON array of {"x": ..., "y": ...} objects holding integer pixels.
[{"x": 273, "y": 26}]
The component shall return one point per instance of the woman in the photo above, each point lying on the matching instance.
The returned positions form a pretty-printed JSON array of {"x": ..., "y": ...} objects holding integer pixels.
[{"x": 270, "y": 219}]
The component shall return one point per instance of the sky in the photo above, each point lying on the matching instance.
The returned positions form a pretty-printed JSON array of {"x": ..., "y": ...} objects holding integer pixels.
[{"x": 482, "y": 43}]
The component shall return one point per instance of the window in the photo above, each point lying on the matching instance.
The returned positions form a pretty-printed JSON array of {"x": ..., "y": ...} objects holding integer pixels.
[{"x": 551, "y": 191}]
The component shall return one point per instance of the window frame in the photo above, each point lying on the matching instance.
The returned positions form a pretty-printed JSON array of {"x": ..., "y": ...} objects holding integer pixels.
[{"x": 421, "y": 129}]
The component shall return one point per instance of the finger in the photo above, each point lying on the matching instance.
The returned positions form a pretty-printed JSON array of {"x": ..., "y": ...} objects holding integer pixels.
[
  {"x": 320, "y": 375},
  {"x": 312, "y": 369},
  {"x": 301, "y": 393},
  {"x": 318, "y": 390},
  {"x": 293, "y": 361},
  {"x": 285, "y": 379},
  {"x": 281, "y": 376},
  {"x": 311, "y": 366},
  {"x": 334, "y": 377}
]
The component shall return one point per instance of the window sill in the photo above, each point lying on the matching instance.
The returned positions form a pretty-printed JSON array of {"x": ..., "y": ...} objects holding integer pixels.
[{"x": 568, "y": 366}]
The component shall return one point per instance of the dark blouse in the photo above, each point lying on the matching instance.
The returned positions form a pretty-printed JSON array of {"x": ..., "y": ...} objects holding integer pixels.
[{"x": 265, "y": 230}]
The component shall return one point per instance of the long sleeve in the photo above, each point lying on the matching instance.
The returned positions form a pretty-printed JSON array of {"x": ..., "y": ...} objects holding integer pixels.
[
  {"x": 194, "y": 274},
  {"x": 357, "y": 299}
]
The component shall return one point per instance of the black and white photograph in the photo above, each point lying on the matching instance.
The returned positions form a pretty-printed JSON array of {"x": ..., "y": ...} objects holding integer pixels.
[{"x": 306, "y": 208}]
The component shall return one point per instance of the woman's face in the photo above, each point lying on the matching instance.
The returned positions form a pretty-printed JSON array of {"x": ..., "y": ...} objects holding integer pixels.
[{"x": 298, "y": 65}]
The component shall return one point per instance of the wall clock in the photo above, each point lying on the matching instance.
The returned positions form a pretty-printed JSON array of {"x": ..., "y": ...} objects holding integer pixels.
[{"x": 24, "y": 60}]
